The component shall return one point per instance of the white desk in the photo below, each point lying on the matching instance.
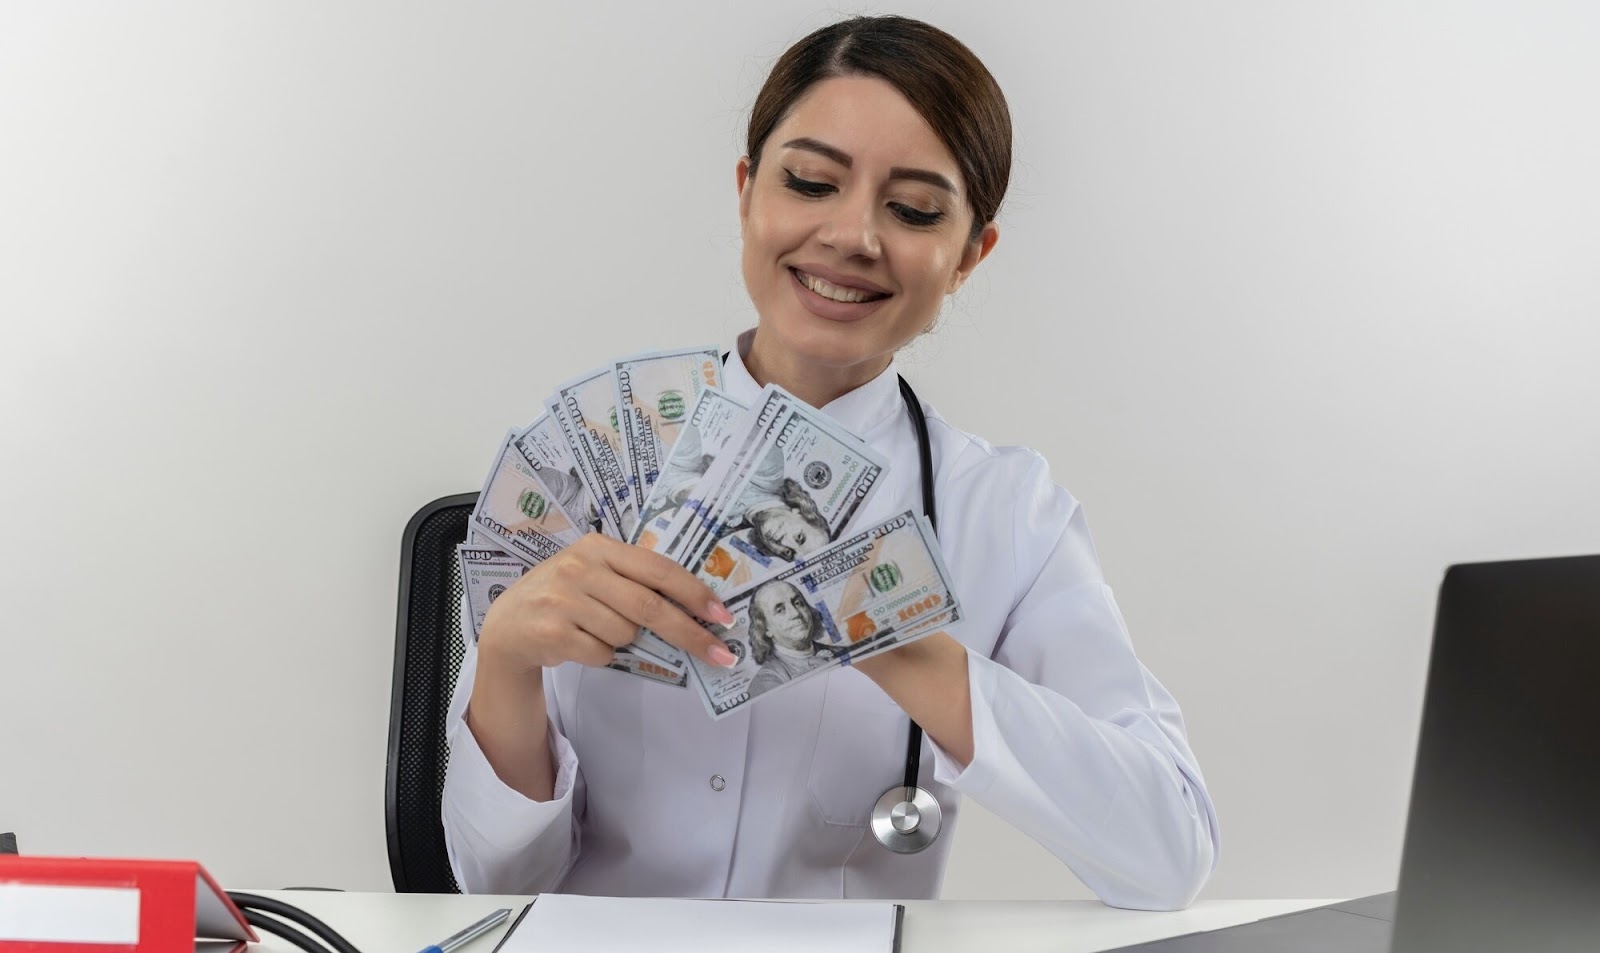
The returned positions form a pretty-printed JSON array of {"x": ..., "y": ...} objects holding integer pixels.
[{"x": 405, "y": 923}]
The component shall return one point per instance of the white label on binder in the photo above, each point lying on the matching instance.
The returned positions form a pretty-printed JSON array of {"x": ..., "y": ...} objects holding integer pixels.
[{"x": 68, "y": 914}]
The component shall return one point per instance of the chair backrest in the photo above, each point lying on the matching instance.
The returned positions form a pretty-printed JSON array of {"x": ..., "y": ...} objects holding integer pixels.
[{"x": 427, "y": 657}]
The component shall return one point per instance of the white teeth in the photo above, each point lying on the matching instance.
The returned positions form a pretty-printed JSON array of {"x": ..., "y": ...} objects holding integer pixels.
[{"x": 831, "y": 291}]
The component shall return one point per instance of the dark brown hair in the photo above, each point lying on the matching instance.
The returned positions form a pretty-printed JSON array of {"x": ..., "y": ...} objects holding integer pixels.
[{"x": 934, "y": 71}]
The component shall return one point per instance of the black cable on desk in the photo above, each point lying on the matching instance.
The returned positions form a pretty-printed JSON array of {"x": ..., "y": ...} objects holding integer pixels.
[
  {"x": 250, "y": 903},
  {"x": 276, "y": 927}
]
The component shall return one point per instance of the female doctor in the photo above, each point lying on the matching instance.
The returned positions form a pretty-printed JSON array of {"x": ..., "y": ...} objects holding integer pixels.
[{"x": 878, "y": 152}]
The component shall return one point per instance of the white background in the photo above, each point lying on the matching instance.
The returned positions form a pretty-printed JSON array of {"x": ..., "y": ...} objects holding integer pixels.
[{"x": 1300, "y": 299}]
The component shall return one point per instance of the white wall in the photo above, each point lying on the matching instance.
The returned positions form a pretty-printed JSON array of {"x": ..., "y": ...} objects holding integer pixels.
[{"x": 1300, "y": 299}]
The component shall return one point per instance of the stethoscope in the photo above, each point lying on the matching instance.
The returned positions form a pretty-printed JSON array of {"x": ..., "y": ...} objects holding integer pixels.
[{"x": 906, "y": 819}]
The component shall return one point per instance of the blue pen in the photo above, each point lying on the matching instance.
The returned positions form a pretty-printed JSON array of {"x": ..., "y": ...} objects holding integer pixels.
[{"x": 469, "y": 934}]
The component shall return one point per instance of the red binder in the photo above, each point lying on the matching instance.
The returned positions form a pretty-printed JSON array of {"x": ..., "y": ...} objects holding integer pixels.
[{"x": 89, "y": 905}]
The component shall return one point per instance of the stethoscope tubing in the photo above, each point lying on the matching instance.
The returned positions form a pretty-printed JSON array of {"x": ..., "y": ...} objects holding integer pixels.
[
  {"x": 906, "y": 819},
  {"x": 919, "y": 423}
]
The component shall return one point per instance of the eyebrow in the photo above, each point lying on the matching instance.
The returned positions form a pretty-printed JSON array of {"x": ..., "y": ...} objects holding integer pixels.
[{"x": 843, "y": 158}]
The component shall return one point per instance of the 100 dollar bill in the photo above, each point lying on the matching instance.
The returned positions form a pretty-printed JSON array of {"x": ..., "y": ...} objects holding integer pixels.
[
  {"x": 882, "y": 587},
  {"x": 546, "y": 449},
  {"x": 710, "y": 424},
  {"x": 486, "y": 573},
  {"x": 717, "y": 470},
  {"x": 515, "y": 509},
  {"x": 585, "y": 408},
  {"x": 655, "y": 393},
  {"x": 794, "y": 485},
  {"x": 699, "y": 441}
]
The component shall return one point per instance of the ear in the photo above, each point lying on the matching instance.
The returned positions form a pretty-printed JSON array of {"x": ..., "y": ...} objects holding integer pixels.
[
  {"x": 742, "y": 179},
  {"x": 974, "y": 252}
]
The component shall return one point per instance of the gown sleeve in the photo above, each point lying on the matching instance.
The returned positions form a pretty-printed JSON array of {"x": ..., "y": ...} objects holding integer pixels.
[
  {"x": 1075, "y": 742},
  {"x": 498, "y": 840}
]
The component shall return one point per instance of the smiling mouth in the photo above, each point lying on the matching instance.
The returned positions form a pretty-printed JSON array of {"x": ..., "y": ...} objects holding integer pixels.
[{"x": 833, "y": 292}]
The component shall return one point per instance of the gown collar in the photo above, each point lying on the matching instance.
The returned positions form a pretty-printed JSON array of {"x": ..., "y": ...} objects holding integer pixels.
[{"x": 859, "y": 411}]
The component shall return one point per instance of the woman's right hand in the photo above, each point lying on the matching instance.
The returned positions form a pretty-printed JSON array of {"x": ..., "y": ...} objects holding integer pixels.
[{"x": 591, "y": 598}]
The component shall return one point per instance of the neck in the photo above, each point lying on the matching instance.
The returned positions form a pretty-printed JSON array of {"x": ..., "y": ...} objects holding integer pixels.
[{"x": 816, "y": 384}]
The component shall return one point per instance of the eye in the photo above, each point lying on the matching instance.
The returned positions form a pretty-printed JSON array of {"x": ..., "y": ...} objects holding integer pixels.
[
  {"x": 914, "y": 216},
  {"x": 800, "y": 539},
  {"x": 806, "y": 186},
  {"x": 780, "y": 608}
]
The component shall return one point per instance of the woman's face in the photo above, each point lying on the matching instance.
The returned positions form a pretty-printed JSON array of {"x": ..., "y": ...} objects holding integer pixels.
[{"x": 855, "y": 225}]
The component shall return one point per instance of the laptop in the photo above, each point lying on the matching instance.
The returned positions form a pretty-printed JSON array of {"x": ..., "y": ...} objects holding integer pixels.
[{"x": 1502, "y": 845}]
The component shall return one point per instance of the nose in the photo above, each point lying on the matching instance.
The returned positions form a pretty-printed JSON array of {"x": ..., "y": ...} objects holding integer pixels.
[{"x": 851, "y": 227}]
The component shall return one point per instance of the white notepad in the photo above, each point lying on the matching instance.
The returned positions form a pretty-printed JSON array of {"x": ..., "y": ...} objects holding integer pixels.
[{"x": 559, "y": 923}]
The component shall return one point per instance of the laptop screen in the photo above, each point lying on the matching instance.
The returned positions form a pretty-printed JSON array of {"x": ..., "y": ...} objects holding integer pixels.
[{"x": 1502, "y": 846}]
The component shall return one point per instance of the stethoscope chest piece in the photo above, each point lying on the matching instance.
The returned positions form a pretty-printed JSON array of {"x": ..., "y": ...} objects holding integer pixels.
[{"x": 906, "y": 819}]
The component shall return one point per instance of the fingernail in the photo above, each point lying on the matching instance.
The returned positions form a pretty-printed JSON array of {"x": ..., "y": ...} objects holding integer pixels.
[
  {"x": 718, "y": 613},
  {"x": 722, "y": 656}
]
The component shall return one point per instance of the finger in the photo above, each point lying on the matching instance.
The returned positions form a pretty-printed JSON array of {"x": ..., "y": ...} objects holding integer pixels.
[
  {"x": 645, "y": 607},
  {"x": 657, "y": 572},
  {"x": 591, "y": 650},
  {"x": 606, "y": 624},
  {"x": 556, "y": 621}
]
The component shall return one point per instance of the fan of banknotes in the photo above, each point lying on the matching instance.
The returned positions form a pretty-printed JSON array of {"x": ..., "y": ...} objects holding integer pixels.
[{"x": 756, "y": 501}]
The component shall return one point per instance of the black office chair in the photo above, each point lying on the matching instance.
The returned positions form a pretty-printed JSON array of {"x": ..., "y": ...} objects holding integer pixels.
[{"x": 427, "y": 657}]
